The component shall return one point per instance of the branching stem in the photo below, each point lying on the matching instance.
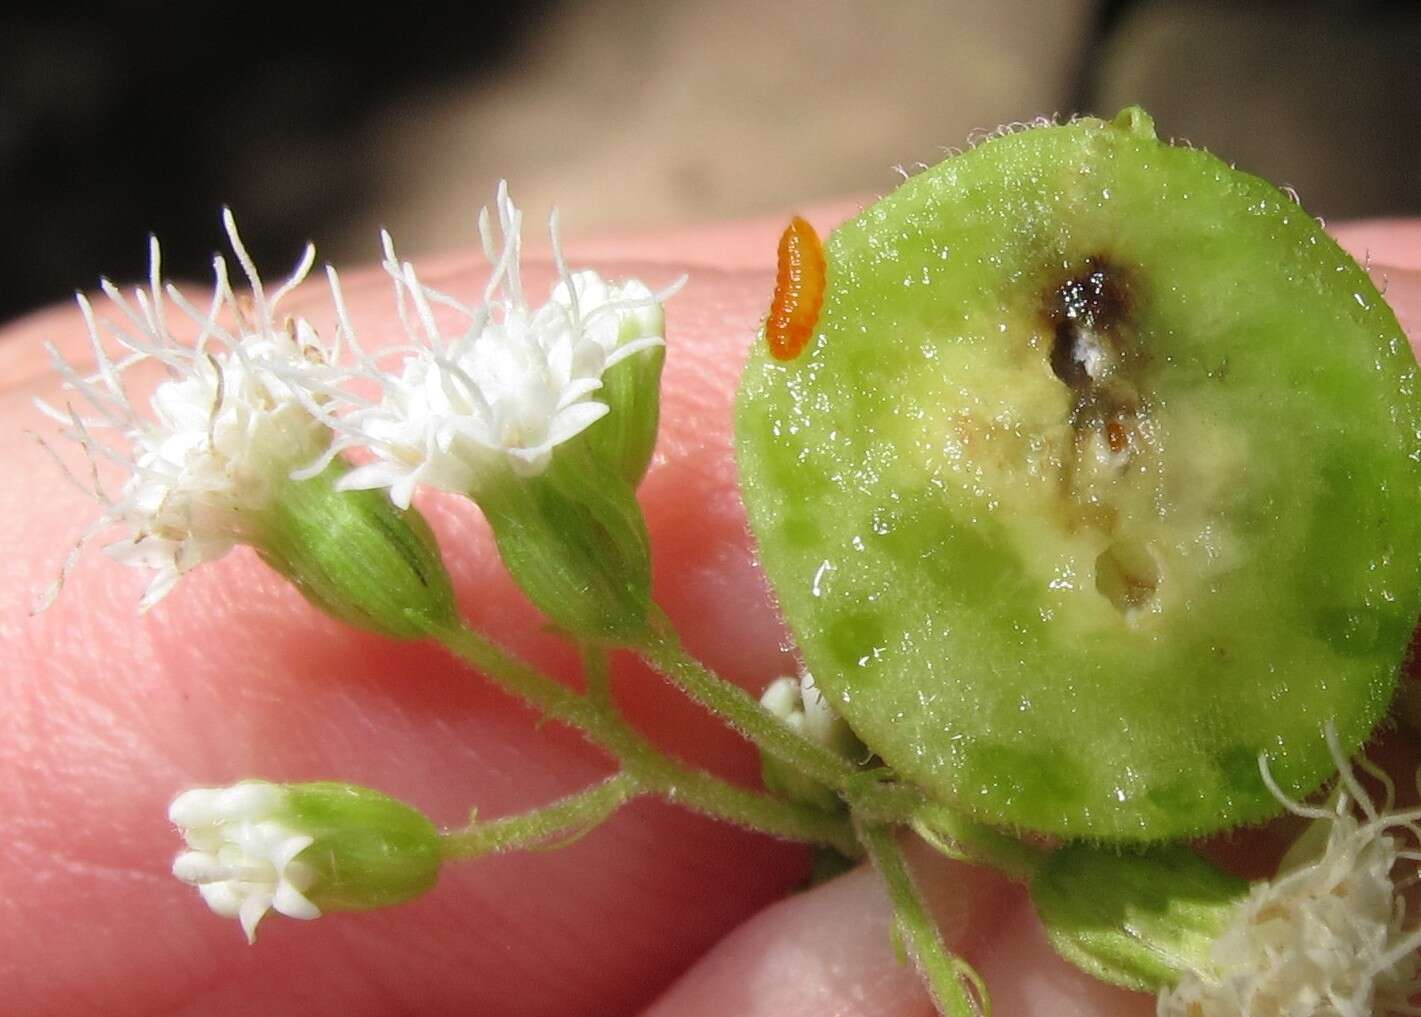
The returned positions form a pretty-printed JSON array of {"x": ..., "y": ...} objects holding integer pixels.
[
  {"x": 742, "y": 711},
  {"x": 956, "y": 989},
  {"x": 652, "y": 770},
  {"x": 867, "y": 795}
]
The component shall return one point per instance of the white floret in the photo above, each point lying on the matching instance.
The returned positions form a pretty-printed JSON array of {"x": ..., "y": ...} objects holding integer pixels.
[
  {"x": 238, "y": 412},
  {"x": 243, "y": 854},
  {"x": 1327, "y": 937},
  {"x": 799, "y": 704},
  {"x": 508, "y": 386}
]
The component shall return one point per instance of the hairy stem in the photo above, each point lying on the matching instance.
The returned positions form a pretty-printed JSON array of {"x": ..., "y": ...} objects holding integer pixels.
[
  {"x": 565, "y": 818},
  {"x": 956, "y": 989},
  {"x": 867, "y": 795},
  {"x": 743, "y": 712},
  {"x": 654, "y": 771}
]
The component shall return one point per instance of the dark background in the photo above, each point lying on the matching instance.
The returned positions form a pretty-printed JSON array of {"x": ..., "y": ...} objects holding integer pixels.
[{"x": 314, "y": 122}]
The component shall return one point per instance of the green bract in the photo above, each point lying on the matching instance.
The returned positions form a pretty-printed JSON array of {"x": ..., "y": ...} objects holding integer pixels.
[
  {"x": 370, "y": 850},
  {"x": 1096, "y": 481},
  {"x": 575, "y": 541},
  {"x": 357, "y": 557},
  {"x": 631, "y": 388},
  {"x": 1136, "y": 920}
]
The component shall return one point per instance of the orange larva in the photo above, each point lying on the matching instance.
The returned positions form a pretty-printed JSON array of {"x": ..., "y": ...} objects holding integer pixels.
[{"x": 799, "y": 291}]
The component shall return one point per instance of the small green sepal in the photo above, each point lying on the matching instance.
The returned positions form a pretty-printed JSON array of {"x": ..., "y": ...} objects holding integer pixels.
[
  {"x": 956, "y": 836},
  {"x": 631, "y": 388}
]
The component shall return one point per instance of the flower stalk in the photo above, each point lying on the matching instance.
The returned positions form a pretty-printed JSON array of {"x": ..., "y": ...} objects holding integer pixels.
[
  {"x": 956, "y": 989},
  {"x": 653, "y": 769},
  {"x": 559, "y": 822},
  {"x": 868, "y": 792}
]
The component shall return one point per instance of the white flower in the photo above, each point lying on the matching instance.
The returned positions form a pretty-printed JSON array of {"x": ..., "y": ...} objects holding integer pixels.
[
  {"x": 799, "y": 704},
  {"x": 243, "y": 856},
  {"x": 511, "y": 386},
  {"x": 237, "y": 414},
  {"x": 1327, "y": 937}
]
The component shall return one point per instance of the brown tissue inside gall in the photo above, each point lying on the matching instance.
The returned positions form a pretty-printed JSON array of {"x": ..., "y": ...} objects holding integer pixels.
[{"x": 1094, "y": 350}]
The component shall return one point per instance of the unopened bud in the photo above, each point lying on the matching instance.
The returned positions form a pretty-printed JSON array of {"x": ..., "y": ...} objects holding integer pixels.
[{"x": 301, "y": 849}]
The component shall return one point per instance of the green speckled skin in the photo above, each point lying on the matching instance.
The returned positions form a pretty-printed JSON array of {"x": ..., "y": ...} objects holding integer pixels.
[{"x": 934, "y": 517}]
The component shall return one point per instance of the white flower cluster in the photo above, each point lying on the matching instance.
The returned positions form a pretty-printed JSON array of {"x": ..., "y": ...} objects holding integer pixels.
[
  {"x": 255, "y": 401},
  {"x": 234, "y": 417},
  {"x": 242, "y": 855},
  {"x": 513, "y": 383},
  {"x": 1327, "y": 937}
]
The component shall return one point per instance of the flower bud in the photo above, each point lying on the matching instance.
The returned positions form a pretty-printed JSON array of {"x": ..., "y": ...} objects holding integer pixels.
[
  {"x": 301, "y": 849},
  {"x": 803, "y": 709}
]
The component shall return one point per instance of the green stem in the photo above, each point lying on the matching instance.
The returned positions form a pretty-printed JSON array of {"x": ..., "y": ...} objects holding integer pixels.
[
  {"x": 653, "y": 770},
  {"x": 867, "y": 795},
  {"x": 568, "y": 817},
  {"x": 698, "y": 790},
  {"x": 956, "y": 989},
  {"x": 598, "y": 674},
  {"x": 665, "y": 653},
  {"x": 711, "y": 796}
]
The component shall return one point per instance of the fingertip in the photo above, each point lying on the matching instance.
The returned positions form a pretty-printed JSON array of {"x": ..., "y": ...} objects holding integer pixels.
[
  {"x": 1395, "y": 243},
  {"x": 825, "y": 951},
  {"x": 830, "y": 950}
]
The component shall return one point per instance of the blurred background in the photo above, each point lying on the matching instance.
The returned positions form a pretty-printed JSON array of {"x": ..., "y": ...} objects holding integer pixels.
[{"x": 315, "y": 122}]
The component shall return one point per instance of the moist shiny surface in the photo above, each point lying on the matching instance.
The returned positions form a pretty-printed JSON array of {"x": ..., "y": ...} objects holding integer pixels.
[{"x": 1096, "y": 481}]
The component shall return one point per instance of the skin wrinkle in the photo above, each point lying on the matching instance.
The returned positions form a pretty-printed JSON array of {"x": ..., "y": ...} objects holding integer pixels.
[{"x": 153, "y": 949}]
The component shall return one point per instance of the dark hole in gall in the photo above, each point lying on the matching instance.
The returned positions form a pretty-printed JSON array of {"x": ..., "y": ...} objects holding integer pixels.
[
  {"x": 1094, "y": 303},
  {"x": 1063, "y": 356}
]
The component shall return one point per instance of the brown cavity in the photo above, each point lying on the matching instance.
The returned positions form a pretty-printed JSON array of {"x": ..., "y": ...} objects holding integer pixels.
[
  {"x": 1089, "y": 314},
  {"x": 1093, "y": 305},
  {"x": 1127, "y": 575},
  {"x": 1090, "y": 317}
]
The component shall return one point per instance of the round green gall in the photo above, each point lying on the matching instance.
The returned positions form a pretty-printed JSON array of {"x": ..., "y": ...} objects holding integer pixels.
[{"x": 1095, "y": 481}]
